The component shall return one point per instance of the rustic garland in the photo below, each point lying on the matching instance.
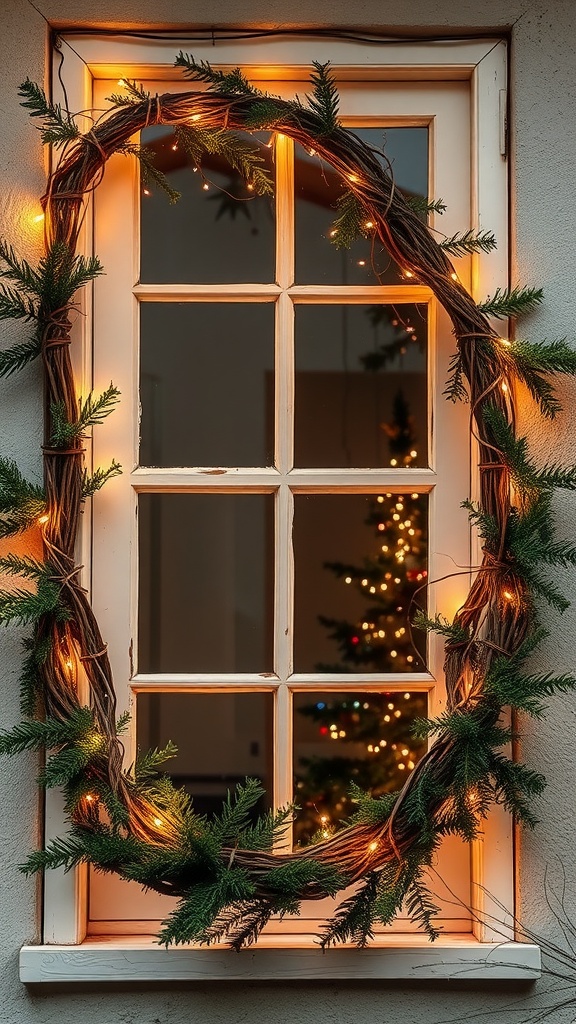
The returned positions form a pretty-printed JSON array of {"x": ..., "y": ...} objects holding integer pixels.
[{"x": 150, "y": 838}]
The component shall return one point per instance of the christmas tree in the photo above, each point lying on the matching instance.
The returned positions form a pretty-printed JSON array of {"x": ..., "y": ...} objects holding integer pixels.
[{"x": 374, "y": 748}]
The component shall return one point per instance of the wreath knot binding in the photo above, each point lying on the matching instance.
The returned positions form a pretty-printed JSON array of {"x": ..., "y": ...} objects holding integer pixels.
[{"x": 226, "y": 873}]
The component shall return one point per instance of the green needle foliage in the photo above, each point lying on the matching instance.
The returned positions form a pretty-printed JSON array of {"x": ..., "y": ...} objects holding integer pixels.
[
  {"x": 37, "y": 651},
  {"x": 534, "y": 362},
  {"x": 57, "y": 126},
  {"x": 239, "y": 152},
  {"x": 511, "y": 302},
  {"x": 218, "y": 81},
  {"x": 94, "y": 482},
  {"x": 422, "y": 205},
  {"x": 150, "y": 174},
  {"x": 20, "y": 501},
  {"x": 468, "y": 242},
  {"x": 324, "y": 101},
  {"x": 93, "y": 411},
  {"x": 50, "y": 733},
  {"x": 134, "y": 94},
  {"x": 349, "y": 223}
]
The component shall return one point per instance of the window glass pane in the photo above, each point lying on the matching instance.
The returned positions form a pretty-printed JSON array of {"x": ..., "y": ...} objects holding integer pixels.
[
  {"x": 222, "y": 738},
  {"x": 207, "y": 384},
  {"x": 317, "y": 189},
  {"x": 361, "y": 388},
  {"x": 346, "y": 738},
  {"x": 360, "y": 573},
  {"x": 205, "y": 582},
  {"x": 216, "y": 235}
]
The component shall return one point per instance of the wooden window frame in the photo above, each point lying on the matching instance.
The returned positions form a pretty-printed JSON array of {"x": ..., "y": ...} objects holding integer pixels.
[{"x": 482, "y": 63}]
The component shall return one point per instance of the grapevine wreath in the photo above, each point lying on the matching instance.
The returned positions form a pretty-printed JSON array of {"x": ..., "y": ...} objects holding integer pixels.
[{"x": 133, "y": 821}]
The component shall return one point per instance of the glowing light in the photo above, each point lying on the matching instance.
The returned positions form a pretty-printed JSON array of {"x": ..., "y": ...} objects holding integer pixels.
[
  {"x": 410, "y": 765},
  {"x": 122, "y": 83},
  {"x": 393, "y": 654},
  {"x": 205, "y": 186},
  {"x": 408, "y": 273},
  {"x": 361, "y": 263},
  {"x": 364, "y": 583},
  {"x": 504, "y": 387},
  {"x": 348, "y": 579},
  {"x": 386, "y": 718},
  {"x": 454, "y": 276},
  {"x": 380, "y": 499},
  {"x": 174, "y": 147},
  {"x": 381, "y": 634},
  {"x": 89, "y": 798},
  {"x": 353, "y": 177},
  {"x": 372, "y": 590},
  {"x": 38, "y": 218},
  {"x": 402, "y": 766},
  {"x": 405, "y": 752},
  {"x": 43, "y": 519},
  {"x": 508, "y": 595},
  {"x": 195, "y": 117},
  {"x": 146, "y": 191},
  {"x": 250, "y": 187},
  {"x": 397, "y": 714},
  {"x": 369, "y": 224},
  {"x": 390, "y": 707},
  {"x": 414, "y": 495},
  {"x": 406, "y": 696},
  {"x": 333, "y": 233},
  {"x": 410, "y": 659},
  {"x": 504, "y": 341},
  {"x": 393, "y": 462},
  {"x": 373, "y": 846},
  {"x": 158, "y": 822},
  {"x": 413, "y": 454},
  {"x": 324, "y": 817},
  {"x": 69, "y": 663}
]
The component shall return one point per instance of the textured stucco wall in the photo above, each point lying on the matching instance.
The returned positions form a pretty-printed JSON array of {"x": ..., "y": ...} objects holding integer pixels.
[{"x": 544, "y": 157}]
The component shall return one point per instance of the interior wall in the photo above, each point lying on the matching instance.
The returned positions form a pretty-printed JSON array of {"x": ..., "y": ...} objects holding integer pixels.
[{"x": 544, "y": 222}]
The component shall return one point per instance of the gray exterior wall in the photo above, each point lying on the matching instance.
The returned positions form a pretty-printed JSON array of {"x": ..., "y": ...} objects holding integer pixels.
[{"x": 544, "y": 250}]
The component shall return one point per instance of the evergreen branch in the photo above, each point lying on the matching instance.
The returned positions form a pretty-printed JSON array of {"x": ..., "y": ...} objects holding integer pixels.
[
  {"x": 290, "y": 880},
  {"x": 349, "y": 223},
  {"x": 24, "y": 606},
  {"x": 421, "y": 906},
  {"x": 371, "y": 810},
  {"x": 524, "y": 692},
  {"x": 515, "y": 786},
  {"x": 485, "y": 524},
  {"x": 324, "y": 101},
  {"x": 468, "y": 242},
  {"x": 148, "y": 765},
  {"x": 354, "y": 919},
  {"x": 61, "y": 852},
  {"x": 16, "y": 306},
  {"x": 52, "y": 732},
  {"x": 64, "y": 766},
  {"x": 20, "y": 502},
  {"x": 456, "y": 388},
  {"x": 264, "y": 114},
  {"x": 149, "y": 172},
  {"x": 234, "y": 816},
  {"x": 453, "y": 632},
  {"x": 534, "y": 361},
  {"x": 24, "y": 565},
  {"x": 197, "y": 911},
  {"x": 16, "y": 358},
  {"x": 92, "y": 412},
  {"x": 57, "y": 126},
  {"x": 134, "y": 94},
  {"x": 95, "y": 481},
  {"x": 220, "y": 81},
  {"x": 266, "y": 830},
  {"x": 511, "y": 302},
  {"x": 422, "y": 205},
  {"x": 61, "y": 274},
  {"x": 18, "y": 270},
  {"x": 38, "y": 650},
  {"x": 241, "y": 154}
]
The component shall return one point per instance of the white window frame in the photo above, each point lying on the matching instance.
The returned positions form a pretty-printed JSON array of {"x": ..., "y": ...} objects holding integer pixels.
[{"x": 483, "y": 64}]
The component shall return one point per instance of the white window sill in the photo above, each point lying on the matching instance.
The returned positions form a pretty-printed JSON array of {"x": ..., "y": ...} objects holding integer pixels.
[{"x": 139, "y": 958}]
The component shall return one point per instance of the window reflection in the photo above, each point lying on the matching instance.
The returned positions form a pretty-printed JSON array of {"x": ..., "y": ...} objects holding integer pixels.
[
  {"x": 222, "y": 738},
  {"x": 361, "y": 385},
  {"x": 350, "y": 739},
  {"x": 360, "y": 574},
  {"x": 317, "y": 189},
  {"x": 215, "y": 235}
]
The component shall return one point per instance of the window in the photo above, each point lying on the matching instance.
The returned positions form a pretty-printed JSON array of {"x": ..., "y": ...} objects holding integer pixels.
[{"x": 253, "y": 445}]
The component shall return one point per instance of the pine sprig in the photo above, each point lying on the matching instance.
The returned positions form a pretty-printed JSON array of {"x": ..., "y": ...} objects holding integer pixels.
[
  {"x": 37, "y": 651},
  {"x": 18, "y": 270},
  {"x": 241, "y": 154},
  {"x": 534, "y": 362},
  {"x": 468, "y": 242},
  {"x": 353, "y": 920},
  {"x": 91, "y": 483},
  {"x": 511, "y": 302},
  {"x": 135, "y": 93},
  {"x": 16, "y": 306},
  {"x": 422, "y": 205},
  {"x": 524, "y": 470},
  {"x": 235, "y": 814},
  {"x": 57, "y": 127},
  {"x": 453, "y": 632},
  {"x": 52, "y": 732},
  {"x": 218, "y": 81},
  {"x": 150, "y": 174},
  {"x": 92, "y": 412},
  {"x": 195, "y": 913},
  {"x": 23, "y": 606},
  {"x": 349, "y": 223},
  {"x": 456, "y": 389},
  {"x": 324, "y": 101},
  {"x": 16, "y": 358},
  {"x": 25, "y": 566},
  {"x": 20, "y": 501}
]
